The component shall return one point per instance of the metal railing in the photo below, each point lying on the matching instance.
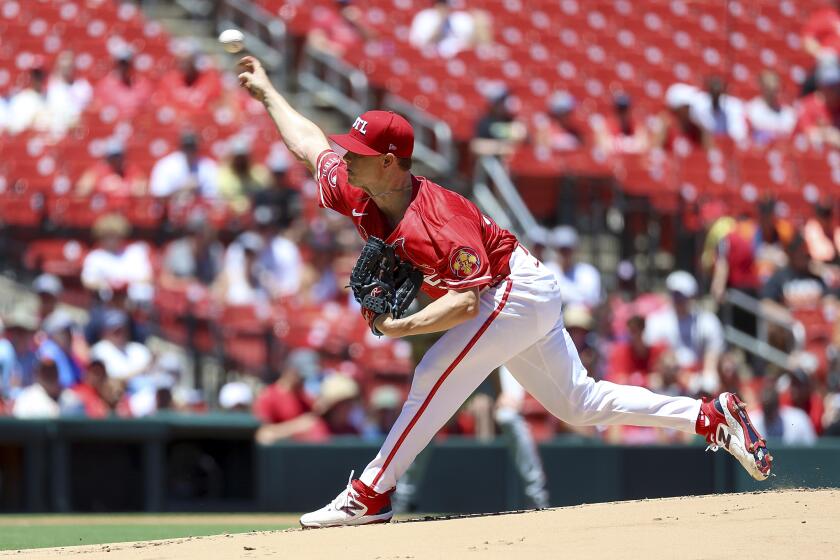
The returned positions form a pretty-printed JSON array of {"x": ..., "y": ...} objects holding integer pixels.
[
  {"x": 334, "y": 82},
  {"x": 495, "y": 193},
  {"x": 758, "y": 345}
]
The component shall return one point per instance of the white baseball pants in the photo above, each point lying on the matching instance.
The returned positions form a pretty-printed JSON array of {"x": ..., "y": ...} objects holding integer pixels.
[{"x": 519, "y": 325}]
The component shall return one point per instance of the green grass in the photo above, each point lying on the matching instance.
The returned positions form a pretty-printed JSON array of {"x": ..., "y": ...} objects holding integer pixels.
[{"x": 39, "y": 536}]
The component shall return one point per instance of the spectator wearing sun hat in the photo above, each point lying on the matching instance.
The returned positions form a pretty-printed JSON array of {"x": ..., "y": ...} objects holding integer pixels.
[
  {"x": 340, "y": 406},
  {"x": 384, "y": 406},
  {"x": 20, "y": 326},
  {"x": 116, "y": 261},
  {"x": 678, "y": 127}
]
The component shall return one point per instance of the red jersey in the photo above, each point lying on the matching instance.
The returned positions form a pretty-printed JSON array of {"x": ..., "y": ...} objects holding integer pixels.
[
  {"x": 442, "y": 233},
  {"x": 336, "y": 29},
  {"x": 737, "y": 248},
  {"x": 94, "y": 405},
  {"x": 822, "y": 25},
  {"x": 194, "y": 99},
  {"x": 813, "y": 112},
  {"x": 277, "y": 404},
  {"x": 128, "y": 100}
]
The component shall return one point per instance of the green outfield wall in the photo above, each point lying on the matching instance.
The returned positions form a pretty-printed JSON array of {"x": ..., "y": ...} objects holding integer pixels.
[{"x": 210, "y": 463}]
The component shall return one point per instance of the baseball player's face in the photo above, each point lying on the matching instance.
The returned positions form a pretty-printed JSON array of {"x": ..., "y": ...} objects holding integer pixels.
[{"x": 364, "y": 172}]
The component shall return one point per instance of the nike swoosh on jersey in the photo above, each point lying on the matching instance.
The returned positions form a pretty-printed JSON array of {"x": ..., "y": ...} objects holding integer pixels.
[{"x": 357, "y": 214}]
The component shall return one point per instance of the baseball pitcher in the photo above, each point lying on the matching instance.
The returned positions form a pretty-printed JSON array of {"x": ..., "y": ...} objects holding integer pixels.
[{"x": 497, "y": 303}]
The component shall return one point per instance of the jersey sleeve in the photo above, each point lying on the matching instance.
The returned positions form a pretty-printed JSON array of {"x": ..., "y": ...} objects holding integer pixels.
[
  {"x": 465, "y": 263},
  {"x": 334, "y": 191}
]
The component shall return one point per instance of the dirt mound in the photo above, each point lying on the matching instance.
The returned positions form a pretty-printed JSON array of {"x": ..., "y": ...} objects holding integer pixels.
[{"x": 786, "y": 524}]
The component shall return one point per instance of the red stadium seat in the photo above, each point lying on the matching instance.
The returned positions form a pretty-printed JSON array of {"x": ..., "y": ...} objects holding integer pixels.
[
  {"x": 56, "y": 256},
  {"x": 25, "y": 209}
]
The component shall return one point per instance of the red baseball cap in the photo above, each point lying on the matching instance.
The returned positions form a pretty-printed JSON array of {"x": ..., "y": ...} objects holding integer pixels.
[{"x": 378, "y": 132}]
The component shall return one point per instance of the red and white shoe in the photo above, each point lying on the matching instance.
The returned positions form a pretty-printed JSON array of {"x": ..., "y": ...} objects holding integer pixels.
[
  {"x": 724, "y": 422},
  {"x": 358, "y": 504}
]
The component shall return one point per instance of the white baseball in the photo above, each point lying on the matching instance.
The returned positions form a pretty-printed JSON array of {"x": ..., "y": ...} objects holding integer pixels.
[{"x": 232, "y": 40}]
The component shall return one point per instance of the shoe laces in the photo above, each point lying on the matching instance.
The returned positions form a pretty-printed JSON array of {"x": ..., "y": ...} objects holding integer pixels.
[{"x": 343, "y": 499}]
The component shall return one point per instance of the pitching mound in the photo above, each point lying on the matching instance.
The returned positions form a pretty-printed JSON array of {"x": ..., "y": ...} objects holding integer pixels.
[{"x": 786, "y": 524}]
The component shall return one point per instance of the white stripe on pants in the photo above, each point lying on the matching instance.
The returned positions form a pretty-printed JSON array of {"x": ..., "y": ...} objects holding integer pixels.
[{"x": 519, "y": 325}]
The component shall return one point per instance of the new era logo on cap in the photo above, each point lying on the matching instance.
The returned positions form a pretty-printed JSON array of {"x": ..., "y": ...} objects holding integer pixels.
[{"x": 376, "y": 133}]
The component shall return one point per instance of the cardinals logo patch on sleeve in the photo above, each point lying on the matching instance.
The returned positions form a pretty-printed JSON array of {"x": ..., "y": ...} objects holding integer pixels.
[{"x": 464, "y": 262}]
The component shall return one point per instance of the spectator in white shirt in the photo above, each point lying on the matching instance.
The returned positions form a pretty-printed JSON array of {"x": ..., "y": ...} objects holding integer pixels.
[
  {"x": 438, "y": 26},
  {"x": 28, "y": 108},
  {"x": 580, "y": 282},
  {"x": 695, "y": 335},
  {"x": 67, "y": 95},
  {"x": 116, "y": 262},
  {"x": 720, "y": 114},
  {"x": 123, "y": 359},
  {"x": 768, "y": 118},
  {"x": 243, "y": 278},
  {"x": 280, "y": 258},
  {"x": 789, "y": 424},
  {"x": 45, "y": 398},
  {"x": 185, "y": 172}
]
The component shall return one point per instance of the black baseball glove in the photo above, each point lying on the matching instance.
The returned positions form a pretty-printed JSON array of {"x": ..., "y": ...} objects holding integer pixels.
[{"x": 382, "y": 282}]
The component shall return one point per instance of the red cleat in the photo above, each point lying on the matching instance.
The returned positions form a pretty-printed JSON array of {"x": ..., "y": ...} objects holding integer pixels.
[
  {"x": 357, "y": 504},
  {"x": 724, "y": 422}
]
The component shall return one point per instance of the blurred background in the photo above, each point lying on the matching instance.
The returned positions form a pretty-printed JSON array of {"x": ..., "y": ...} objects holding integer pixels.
[{"x": 174, "y": 311}]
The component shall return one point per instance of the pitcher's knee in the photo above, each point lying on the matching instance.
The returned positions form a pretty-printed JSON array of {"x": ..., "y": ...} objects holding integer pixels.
[
  {"x": 580, "y": 403},
  {"x": 576, "y": 415}
]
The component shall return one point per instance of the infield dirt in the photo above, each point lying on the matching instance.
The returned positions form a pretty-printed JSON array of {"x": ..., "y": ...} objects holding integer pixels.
[{"x": 782, "y": 524}]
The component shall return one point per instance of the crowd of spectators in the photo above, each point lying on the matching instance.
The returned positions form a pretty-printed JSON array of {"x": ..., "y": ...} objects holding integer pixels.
[
  {"x": 55, "y": 362},
  {"x": 674, "y": 341},
  {"x": 692, "y": 118},
  {"x": 59, "y": 362}
]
